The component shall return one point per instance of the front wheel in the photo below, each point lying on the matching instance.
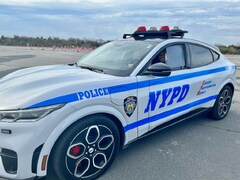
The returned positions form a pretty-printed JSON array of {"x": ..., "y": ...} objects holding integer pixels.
[
  {"x": 86, "y": 149},
  {"x": 222, "y": 104}
]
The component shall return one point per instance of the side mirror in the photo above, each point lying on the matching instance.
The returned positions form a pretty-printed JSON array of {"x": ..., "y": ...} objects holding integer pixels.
[{"x": 158, "y": 69}]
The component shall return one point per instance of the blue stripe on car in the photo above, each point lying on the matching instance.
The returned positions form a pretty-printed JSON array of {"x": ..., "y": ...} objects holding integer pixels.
[
  {"x": 131, "y": 86},
  {"x": 164, "y": 114},
  {"x": 143, "y": 84},
  {"x": 58, "y": 100},
  {"x": 234, "y": 67}
]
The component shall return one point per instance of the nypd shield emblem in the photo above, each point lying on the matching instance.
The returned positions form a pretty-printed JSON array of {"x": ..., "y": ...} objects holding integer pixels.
[{"x": 130, "y": 104}]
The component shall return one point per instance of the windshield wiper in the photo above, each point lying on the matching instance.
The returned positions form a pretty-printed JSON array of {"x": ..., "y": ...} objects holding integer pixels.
[
  {"x": 92, "y": 69},
  {"x": 73, "y": 64}
]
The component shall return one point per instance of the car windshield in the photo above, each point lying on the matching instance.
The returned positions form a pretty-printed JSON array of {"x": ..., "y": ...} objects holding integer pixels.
[{"x": 117, "y": 58}]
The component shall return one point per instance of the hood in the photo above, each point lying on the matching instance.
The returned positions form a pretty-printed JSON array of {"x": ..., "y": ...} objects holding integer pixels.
[{"x": 28, "y": 86}]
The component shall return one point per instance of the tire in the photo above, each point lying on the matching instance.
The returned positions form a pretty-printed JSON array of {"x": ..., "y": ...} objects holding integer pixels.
[
  {"x": 85, "y": 150},
  {"x": 222, "y": 104}
]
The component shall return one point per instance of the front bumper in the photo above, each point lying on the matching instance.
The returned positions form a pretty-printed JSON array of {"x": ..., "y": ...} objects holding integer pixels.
[
  {"x": 22, "y": 142},
  {"x": 19, "y": 149}
]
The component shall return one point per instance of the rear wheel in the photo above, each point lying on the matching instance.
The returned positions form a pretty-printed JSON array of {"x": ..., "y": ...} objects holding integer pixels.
[
  {"x": 222, "y": 104},
  {"x": 86, "y": 149}
]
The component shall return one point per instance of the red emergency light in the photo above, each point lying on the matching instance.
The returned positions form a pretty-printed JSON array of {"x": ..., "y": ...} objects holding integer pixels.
[
  {"x": 141, "y": 28},
  {"x": 165, "y": 28}
]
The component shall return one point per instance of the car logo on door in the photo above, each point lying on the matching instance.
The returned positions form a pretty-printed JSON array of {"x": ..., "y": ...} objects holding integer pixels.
[{"x": 130, "y": 104}]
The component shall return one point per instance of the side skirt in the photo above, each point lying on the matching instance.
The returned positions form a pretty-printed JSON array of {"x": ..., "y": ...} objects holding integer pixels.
[{"x": 172, "y": 122}]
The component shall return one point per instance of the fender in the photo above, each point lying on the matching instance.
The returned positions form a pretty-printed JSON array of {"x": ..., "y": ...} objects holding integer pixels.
[
  {"x": 224, "y": 83},
  {"x": 48, "y": 145},
  {"x": 221, "y": 86}
]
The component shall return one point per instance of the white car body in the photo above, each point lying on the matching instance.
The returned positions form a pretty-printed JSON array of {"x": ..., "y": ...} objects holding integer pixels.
[{"x": 86, "y": 92}]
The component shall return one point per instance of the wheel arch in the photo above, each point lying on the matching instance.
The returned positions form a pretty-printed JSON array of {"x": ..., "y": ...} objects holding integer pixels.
[
  {"x": 116, "y": 121},
  {"x": 214, "y": 113},
  {"x": 227, "y": 82},
  {"x": 119, "y": 125},
  {"x": 231, "y": 86},
  {"x": 107, "y": 111}
]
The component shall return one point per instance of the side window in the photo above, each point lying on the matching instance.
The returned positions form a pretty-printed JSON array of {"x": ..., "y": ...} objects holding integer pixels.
[
  {"x": 215, "y": 56},
  {"x": 175, "y": 57},
  {"x": 172, "y": 56},
  {"x": 160, "y": 58},
  {"x": 200, "y": 56}
]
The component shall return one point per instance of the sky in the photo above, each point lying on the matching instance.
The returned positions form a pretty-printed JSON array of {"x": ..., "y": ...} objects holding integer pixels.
[{"x": 211, "y": 21}]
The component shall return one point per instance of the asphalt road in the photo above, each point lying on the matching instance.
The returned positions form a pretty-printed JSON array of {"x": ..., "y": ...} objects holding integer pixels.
[{"x": 196, "y": 149}]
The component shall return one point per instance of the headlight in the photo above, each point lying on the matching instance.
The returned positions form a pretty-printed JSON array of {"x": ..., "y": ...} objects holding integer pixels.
[{"x": 33, "y": 114}]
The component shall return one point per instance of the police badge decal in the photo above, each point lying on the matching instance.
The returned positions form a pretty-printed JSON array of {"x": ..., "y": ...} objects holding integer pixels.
[{"x": 130, "y": 103}]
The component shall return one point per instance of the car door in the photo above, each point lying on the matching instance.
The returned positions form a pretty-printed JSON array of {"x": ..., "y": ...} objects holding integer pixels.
[
  {"x": 161, "y": 96},
  {"x": 168, "y": 96},
  {"x": 206, "y": 73}
]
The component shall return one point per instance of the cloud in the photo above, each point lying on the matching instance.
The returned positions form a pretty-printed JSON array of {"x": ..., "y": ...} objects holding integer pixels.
[
  {"x": 112, "y": 2},
  {"x": 37, "y": 2},
  {"x": 214, "y": 21}
]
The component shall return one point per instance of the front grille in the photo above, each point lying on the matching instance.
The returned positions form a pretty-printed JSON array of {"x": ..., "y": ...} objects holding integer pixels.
[{"x": 9, "y": 160}]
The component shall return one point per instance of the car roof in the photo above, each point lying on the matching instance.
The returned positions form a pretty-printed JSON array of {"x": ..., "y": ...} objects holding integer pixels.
[
  {"x": 157, "y": 40},
  {"x": 187, "y": 40}
]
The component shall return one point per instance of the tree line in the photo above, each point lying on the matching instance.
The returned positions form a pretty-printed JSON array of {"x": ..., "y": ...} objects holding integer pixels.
[
  {"x": 49, "y": 42},
  {"x": 232, "y": 49},
  {"x": 86, "y": 43}
]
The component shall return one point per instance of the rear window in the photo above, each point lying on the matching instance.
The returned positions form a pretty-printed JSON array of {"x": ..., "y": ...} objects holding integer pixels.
[{"x": 200, "y": 56}]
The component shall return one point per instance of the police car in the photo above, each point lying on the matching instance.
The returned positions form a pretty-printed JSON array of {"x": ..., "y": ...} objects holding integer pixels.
[{"x": 69, "y": 121}]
